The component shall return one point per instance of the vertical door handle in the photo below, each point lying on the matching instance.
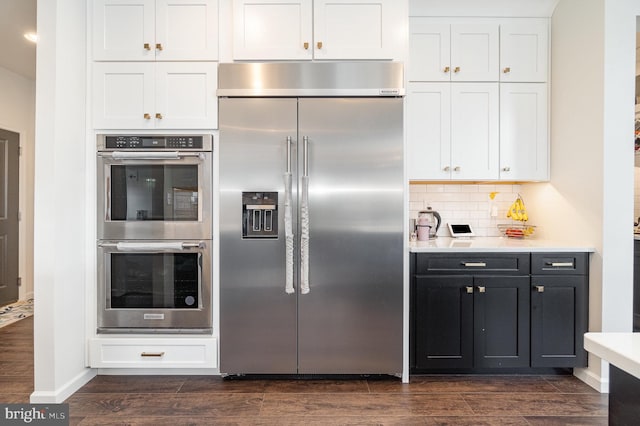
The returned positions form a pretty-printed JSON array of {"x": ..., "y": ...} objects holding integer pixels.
[
  {"x": 288, "y": 223},
  {"x": 304, "y": 219}
]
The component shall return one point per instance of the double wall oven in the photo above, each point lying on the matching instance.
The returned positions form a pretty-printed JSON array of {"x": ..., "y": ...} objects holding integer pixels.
[{"x": 154, "y": 233}]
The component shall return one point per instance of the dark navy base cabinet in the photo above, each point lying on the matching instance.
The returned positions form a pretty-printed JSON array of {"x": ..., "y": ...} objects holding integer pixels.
[
  {"x": 488, "y": 311},
  {"x": 559, "y": 295}
]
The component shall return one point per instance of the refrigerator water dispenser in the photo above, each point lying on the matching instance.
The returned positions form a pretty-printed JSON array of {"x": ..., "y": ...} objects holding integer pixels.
[{"x": 259, "y": 215}]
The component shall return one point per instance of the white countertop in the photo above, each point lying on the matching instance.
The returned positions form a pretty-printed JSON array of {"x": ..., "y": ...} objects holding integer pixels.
[
  {"x": 494, "y": 244},
  {"x": 619, "y": 349}
]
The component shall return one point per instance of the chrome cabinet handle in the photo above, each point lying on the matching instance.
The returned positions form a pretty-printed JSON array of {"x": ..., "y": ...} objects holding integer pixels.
[
  {"x": 560, "y": 264},
  {"x": 482, "y": 289},
  {"x": 539, "y": 288},
  {"x": 288, "y": 154},
  {"x": 446, "y": 168},
  {"x": 506, "y": 169},
  {"x": 474, "y": 264},
  {"x": 456, "y": 168}
]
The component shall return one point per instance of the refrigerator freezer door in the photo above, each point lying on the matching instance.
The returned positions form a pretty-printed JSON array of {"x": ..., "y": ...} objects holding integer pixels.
[
  {"x": 350, "y": 322},
  {"x": 257, "y": 317}
]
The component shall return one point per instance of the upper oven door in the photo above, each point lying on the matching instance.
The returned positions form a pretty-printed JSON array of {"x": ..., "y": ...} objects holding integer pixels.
[{"x": 154, "y": 195}]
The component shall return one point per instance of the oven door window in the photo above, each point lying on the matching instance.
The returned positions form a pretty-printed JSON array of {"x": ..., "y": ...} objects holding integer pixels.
[
  {"x": 155, "y": 280},
  {"x": 154, "y": 192}
]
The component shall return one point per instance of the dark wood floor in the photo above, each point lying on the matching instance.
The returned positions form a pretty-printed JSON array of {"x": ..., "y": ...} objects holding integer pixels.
[{"x": 206, "y": 400}]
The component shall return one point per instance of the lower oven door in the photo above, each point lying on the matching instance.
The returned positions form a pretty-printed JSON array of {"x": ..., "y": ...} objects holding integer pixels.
[{"x": 154, "y": 286}]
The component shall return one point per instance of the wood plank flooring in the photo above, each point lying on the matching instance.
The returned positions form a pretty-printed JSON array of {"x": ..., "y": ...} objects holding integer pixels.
[{"x": 210, "y": 400}]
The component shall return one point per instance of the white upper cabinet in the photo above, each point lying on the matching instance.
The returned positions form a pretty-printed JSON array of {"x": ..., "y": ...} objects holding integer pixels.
[
  {"x": 272, "y": 29},
  {"x": 524, "y": 143},
  {"x": 524, "y": 50},
  {"x": 320, "y": 29},
  {"x": 162, "y": 95},
  {"x": 155, "y": 30},
  {"x": 453, "y": 131},
  {"x": 440, "y": 51}
]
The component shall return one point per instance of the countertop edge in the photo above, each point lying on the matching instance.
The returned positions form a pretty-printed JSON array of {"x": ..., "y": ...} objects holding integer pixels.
[
  {"x": 616, "y": 349},
  {"x": 493, "y": 245}
]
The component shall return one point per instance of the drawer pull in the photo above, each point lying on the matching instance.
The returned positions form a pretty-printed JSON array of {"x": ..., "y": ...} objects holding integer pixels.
[
  {"x": 474, "y": 264},
  {"x": 560, "y": 264},
  {"x": 540, "y": 288},
  {"x": 482, "y": 289},
  {"x": 152, "y": 354},
  {"x": 469, "y": 289}
]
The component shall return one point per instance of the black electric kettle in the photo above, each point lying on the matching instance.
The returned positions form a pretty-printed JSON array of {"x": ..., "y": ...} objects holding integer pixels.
[{"x": 432, "y": 219}]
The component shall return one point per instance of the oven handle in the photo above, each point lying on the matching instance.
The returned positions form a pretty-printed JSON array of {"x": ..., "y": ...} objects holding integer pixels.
[
  {"x": 136, "y": 246},
  {"x": 146, "y": 155}
]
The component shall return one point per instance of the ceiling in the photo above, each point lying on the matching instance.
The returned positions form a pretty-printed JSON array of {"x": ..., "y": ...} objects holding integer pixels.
[{"x": 17, "y": 54}]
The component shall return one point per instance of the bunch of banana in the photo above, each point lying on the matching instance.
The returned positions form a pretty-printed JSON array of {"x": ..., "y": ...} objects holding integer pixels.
[{"x": 517, "y": 211}]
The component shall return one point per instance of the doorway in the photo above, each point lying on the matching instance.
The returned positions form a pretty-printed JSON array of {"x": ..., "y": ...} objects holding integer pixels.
[{"x": 9, "y": 211}]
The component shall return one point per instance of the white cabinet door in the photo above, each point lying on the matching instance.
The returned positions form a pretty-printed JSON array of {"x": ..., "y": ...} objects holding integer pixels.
[
  {"x": 148, "y": 30},
  {"x": 143, "y": 95},
  {"x": 355, "y": 29},
  {"x": 272, "y": 30},
  {"x": 474, "y": 131},
  {"x": 429, "y": 51},
  {"x": 186, "y": 95},
  {"x": 524, "y": 50},
  {"x": 474, "y": 52},
  {"x": 524, "y": 143},
  {"x": 123, "y": 95},
  {"x": 124, "y": 30},
  {"x": 428, "y": 131},
  {"x": 186, "y": 30}
]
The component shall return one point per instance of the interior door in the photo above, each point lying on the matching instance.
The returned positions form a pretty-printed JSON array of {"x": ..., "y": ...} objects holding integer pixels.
[
  {"x": 9, "y": 150},
  {"x": 257, "y": 316},
  {"x": 350, "y": 322}
]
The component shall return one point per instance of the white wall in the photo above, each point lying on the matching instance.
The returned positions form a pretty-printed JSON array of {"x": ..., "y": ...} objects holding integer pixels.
[
  {"x": 590, "y": 197},
  {"x": 60, "y": 231},
  {"x": 17, "y": 114}
]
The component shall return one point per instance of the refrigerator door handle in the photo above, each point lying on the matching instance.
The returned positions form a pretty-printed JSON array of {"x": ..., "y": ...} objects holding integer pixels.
[
  {"x": 304, "y": 220},
  {"x": 288, "y": 223}
]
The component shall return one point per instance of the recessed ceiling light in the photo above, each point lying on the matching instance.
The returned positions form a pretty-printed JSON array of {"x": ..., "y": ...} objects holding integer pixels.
[{"x": 32, "y": 37}]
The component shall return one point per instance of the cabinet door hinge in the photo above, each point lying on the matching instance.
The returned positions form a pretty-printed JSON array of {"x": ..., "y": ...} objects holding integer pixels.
[{"x": 19, "y": 282}]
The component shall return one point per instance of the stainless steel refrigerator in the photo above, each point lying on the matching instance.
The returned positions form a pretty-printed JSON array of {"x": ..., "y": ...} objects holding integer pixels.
[{"x": 311, "y": 218}]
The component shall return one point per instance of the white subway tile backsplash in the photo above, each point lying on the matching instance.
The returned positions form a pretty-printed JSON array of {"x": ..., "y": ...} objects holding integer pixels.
[{"x": 464, "y": 202}]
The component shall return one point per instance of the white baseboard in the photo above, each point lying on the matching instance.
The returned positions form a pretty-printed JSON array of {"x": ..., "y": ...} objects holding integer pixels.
[
  {"x": 158, "y": 371},
  {"x": 61, "y": 394},
  {"x": 592, "y": 379}
]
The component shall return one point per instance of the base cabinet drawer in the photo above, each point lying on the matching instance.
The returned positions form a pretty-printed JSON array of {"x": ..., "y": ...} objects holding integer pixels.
[{"x": 153, "y": 353}]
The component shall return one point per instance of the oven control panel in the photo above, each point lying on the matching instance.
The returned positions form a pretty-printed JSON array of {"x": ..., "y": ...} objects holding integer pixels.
[{"x": 154, "y": 142}]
